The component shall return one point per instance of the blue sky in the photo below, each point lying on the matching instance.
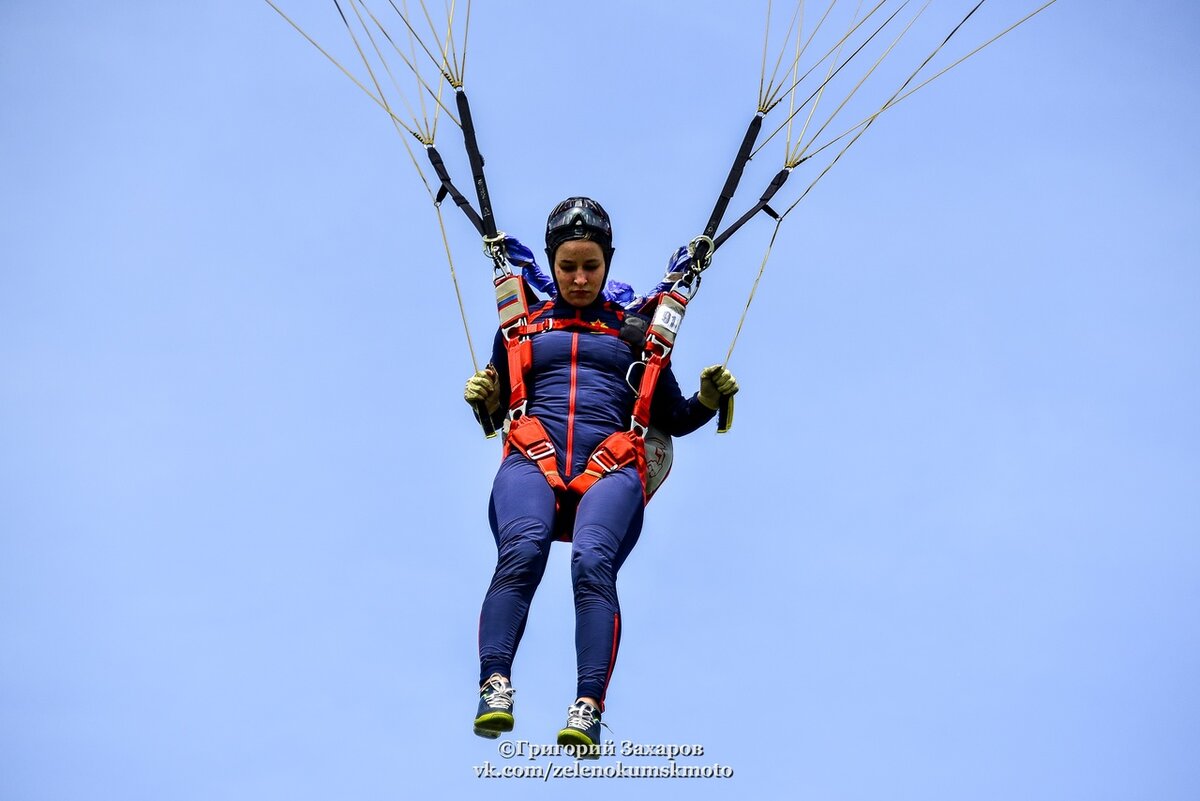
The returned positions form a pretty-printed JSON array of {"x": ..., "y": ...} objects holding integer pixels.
[{"x": 951, "y": 548}]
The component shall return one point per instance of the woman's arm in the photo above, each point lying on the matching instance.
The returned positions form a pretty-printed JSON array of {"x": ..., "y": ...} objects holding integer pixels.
[
  {"x": 672, "y": 413},
  {"x": 491, "y": 384}
]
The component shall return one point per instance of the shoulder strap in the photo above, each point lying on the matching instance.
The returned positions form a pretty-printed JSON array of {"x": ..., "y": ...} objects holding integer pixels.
[
  {"x": 656, "y": 354},
  {"x": 513, "y": 307}
]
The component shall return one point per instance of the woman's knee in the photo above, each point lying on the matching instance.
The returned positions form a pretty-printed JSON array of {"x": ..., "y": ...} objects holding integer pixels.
[
  {"x": 591, "y": 565},
  {"x": 523, "y": 547}
]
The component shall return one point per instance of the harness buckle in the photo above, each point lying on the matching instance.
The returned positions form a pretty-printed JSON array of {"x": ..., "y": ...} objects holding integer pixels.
[
  {"x": 657, "y": 346},
  {"x": 540, "y": 450},
  {"x": 493, "y": 247},
  {"x": 599, "y": 457},
  {"x": 635, "y": 385},
  {"x": 513, "y": 330},
  {"x": 688, "y": 285},
  {"x": 704, "y": 246}
]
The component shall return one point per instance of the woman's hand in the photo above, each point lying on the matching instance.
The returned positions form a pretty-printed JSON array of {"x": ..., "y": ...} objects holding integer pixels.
[
  {"x": 483, "y": 387},
  {"x": 716, "y": 382}
]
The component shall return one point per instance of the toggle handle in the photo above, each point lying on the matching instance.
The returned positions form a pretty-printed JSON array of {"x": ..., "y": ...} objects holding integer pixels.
[
  {"x": 725, "y": 414},
  {"x": 485, "y": 419}
]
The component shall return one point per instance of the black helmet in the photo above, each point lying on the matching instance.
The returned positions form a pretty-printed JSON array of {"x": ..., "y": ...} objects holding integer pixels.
[{"x": 579, "y": 218}]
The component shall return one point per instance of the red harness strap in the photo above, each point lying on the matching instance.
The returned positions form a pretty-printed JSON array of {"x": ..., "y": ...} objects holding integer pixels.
[
  {"x": 514, "y": 314},
  {"x": 619, "y": 449},
  {"x": 529, "y": 437}
]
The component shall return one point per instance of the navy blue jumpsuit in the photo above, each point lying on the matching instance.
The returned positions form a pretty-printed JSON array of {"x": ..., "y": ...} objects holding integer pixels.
[{"x": 577, "y": 389}]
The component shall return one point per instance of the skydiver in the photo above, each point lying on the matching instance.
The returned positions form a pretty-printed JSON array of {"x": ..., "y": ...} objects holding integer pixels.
[{"x": 578, "y": 397}]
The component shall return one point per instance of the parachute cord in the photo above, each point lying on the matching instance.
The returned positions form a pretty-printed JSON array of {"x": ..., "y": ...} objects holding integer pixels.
[
  {"x": 753, "y": 291},
  {"x": 462, "y": 67},
  {"x": 942, "y": 72},
  {"x": 379, "y": 102},
  {"x": 440, "y": 65},
  {"x": 437, "y": 207},
  {"x": 412, "y": 51},
  {"x": 762, "y": 75},
  {"x": 861, "y": 128},
  {"x": 401, "y": 127},
  {"x": 836, "y": 48},
  {"x": 459, "y": 70},
  {"x": 828, "y": 167},
  {"x": 430, "y": 126},
  {"x": 766, "y": 89},
  {"x": 890, "y": 102},
  {"x": 789, "y": 159},
  {"x": 780, "y": 91},
  {"x": 457, "y": 292},
  {"x": 449, "y": 53},
  {"x": 798, "y": 156},
  {"x": 787, "y": 145},
  {"x": 774, "y": 93},
  {"x": 443, "y": 64},
  {"x": 422, "y": 84},
  {"x": 417, "y": 166},
  {"x": 420, "y": 121},
  {"x": 897, "y": 99}
]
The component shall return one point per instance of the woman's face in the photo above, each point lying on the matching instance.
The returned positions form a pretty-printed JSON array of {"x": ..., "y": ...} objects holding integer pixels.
[{"x": 579, "y": 271}]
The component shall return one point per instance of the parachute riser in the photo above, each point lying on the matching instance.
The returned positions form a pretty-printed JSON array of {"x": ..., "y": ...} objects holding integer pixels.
[
  {"x": 510, "y": 291},
  {"x": 763, "y": 204},
  {"x": 735, "y": 175},
  {"x": 476, "y": 161},
  {"x": 449, "y": 189},
  {"x": 701, "y": 248}
]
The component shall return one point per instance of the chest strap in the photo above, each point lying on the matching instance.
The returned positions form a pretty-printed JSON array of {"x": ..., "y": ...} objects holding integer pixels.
[
  {"x": 566, "y": 324},
  {"x": 518, "y": 326}
]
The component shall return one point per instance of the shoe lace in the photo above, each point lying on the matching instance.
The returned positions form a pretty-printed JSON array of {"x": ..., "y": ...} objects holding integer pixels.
[
  {"x": 581, "y": 715},
  {"x": 498, "y": 693}
]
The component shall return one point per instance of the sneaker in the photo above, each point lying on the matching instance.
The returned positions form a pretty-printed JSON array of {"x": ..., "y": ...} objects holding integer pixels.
[
  {"x": 582, "y": 730},
  {"x": 495, "y": 707}
]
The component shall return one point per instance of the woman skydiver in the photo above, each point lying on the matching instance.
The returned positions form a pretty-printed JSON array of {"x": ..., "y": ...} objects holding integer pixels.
[{"x": 578, "y": 395}]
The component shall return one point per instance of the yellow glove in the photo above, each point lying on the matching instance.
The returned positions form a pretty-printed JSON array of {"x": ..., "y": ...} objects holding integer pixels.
[
  {"x": 716, "y": 382},
  {"x": 483, "y": 387}
]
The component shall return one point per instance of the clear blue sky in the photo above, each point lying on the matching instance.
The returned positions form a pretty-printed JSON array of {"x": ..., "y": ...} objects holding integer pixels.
[{"x": 951, "y": 549}]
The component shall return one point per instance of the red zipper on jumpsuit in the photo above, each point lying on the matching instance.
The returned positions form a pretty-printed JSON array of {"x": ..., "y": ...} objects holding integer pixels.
[{"x": 571, "y": 405}]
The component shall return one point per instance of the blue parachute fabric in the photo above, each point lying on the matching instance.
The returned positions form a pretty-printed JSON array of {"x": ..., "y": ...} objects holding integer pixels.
[{"x": 619, "y": 292}]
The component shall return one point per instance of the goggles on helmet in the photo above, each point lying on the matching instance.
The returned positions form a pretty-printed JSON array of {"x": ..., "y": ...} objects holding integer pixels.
[{"x": 578, "y": 217}]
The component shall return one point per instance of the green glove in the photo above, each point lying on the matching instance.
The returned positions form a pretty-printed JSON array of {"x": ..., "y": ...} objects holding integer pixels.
[
  {"x": 716, "y": 382},
  {"x": 483, "y": 387}
]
